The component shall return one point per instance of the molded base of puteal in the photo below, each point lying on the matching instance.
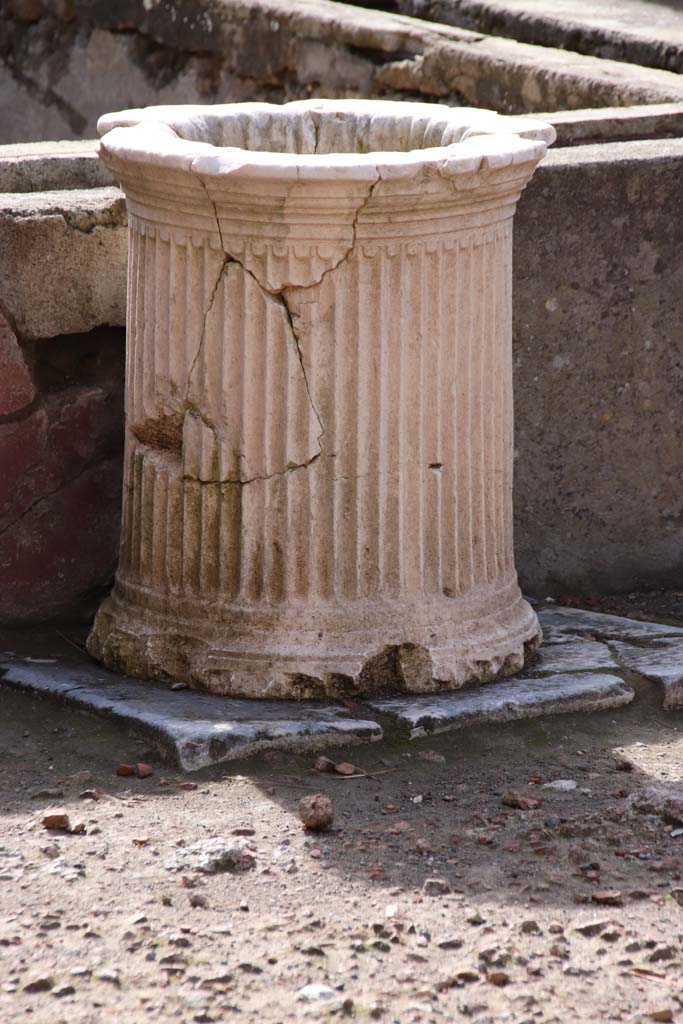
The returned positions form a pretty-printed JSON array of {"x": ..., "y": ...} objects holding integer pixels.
[{"x": 411, "y": 649}]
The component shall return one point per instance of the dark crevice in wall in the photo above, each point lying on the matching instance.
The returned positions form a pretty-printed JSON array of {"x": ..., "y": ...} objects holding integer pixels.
[
  {"x": 379, "y": 57},
  {"x": 94, "y": 358}
]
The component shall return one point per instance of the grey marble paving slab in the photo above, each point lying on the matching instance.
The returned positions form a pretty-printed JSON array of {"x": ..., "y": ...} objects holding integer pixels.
[
  {"x": 194, "y": 729},
  {"x": 660, "y": 661},
  {"x": 572, "y": 656},
  {"x": 197, "y": 729},
  {"x": 508, "y": 701},
  {"x": 560, "y": 623}
]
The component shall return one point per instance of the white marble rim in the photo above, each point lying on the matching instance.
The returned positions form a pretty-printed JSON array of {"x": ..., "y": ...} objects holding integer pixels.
[{"x": 154, "y": 136}]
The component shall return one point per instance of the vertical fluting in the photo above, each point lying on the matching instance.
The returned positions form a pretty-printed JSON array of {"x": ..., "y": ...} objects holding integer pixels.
[
  {"x": 250, "y": 440},
  {"x": 393, "y": 344},
  {"x": 449, "y": 421},
  {"x": 136, "y": 332},
  {"x": 162, "y": 307},
  {"x": 324, "y": 471},
  {"x": 407, "y": 389},
  {"x": 382, "y": 463},
  {"x": 346, "y": 323},
  {"x": 464, "y": 412},
  {"x": 148, "y": 341},
  {"x": 133, "y": 256},
  {"x": 492, "y": 416},
  {"x": 505, "y": 371},
  {"x": 433, "y": 359},
  {"x": 480, "y": 410},
  {"x": 370, "y": 277},
  {"x": 159, "y": 550},
  {"x": 408, "y": 372}
]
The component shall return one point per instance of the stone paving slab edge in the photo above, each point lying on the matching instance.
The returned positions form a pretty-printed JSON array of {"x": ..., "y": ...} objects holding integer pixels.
[
  {"x": 198, "y": 729},
  {"x": 562, "y": 624},
  {"x": 660, "y": 661},
  {"x": 194, "y": 729},
  {"x": 508, "y": 701}
]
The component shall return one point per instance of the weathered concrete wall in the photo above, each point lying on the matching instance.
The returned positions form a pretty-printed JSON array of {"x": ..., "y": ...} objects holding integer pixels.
[
  {"x": 598, "y": 314},
  {"x": 64, "y": 62}
]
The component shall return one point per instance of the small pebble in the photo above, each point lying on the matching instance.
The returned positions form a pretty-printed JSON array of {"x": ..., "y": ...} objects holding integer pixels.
[{"x": 317, "y": 812}]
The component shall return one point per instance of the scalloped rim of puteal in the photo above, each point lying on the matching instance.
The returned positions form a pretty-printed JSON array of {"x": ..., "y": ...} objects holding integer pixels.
[{"x": 153, "y": 136}]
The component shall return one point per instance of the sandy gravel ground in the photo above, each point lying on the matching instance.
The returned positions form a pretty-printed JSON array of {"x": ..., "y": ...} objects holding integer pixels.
[{"x": 431, "y": 900}]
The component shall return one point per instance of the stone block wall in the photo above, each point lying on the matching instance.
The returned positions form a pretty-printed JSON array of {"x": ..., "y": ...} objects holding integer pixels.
[
  {"x": 598, "y": 341},
  {"x": 62, "y": 307}
]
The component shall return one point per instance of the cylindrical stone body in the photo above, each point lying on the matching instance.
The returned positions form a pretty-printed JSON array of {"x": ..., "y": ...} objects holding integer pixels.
[{"x": 319, "y": 399}]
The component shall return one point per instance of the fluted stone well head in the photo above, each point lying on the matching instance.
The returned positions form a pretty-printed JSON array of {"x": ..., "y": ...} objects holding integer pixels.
[{"x": 319, "y": 397}]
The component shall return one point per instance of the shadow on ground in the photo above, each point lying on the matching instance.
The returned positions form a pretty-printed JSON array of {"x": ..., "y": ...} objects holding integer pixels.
[{"x": 432, "y": 807}]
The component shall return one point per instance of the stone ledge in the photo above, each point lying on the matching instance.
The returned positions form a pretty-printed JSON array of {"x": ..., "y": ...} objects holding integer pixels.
[
  {"x": 640, "y": 31},
  {"x": 50, "y": 166},
  {"x": 63, "y": 260},
  {"x": 266, "y": 49},
  {"x": 661, "y": 661},
  {"x": 615, "y": 124},
  {"x": 561, "y": 625}
]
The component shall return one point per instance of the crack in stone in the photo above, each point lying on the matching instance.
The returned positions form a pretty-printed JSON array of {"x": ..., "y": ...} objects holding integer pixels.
[
  {"x": 45, "y": 497},
  {"x": 237, "y": 482},
  {"x": 202, "y": 337},
  {"x": 281, "y": 298},
  {"x": 316, "y": 130},
  {"x": 354, "y": 227}
]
